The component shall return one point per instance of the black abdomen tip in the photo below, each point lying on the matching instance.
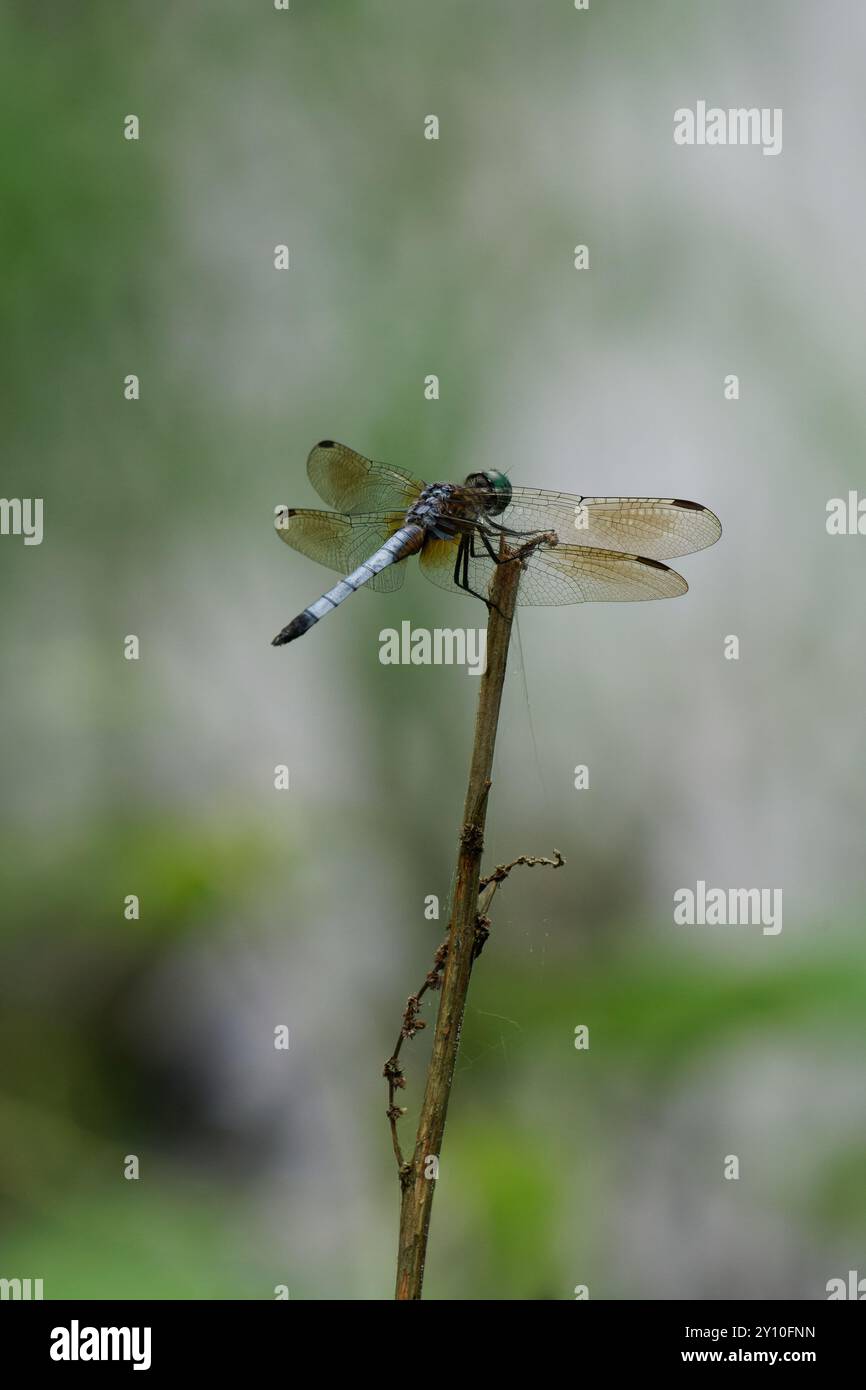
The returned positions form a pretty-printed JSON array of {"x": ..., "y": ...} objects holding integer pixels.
[{"x": 296, "y": 628}]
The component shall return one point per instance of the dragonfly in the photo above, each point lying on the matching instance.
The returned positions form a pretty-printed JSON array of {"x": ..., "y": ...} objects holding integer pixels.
[{"x": 592, "y": 549}]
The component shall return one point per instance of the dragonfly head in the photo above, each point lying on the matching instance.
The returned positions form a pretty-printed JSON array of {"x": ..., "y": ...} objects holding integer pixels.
[{"x": 495, "y": 486}]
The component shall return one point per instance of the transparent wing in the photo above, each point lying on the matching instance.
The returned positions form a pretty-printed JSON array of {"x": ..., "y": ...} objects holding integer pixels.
[
  {"x": 586, "y": 574},
  {"x": 562, "y": 574},
  {"x": 351, "y": 483},
  {"x": 342, "y": 542},
  {"x": 659, "y": 528}
]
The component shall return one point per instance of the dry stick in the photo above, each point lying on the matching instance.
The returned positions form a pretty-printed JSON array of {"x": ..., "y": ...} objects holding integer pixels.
[
  {"x": 409, "y": 1026},
  {"x": 417, "y": 1187},
  {"x": 411, "y": 1022}
]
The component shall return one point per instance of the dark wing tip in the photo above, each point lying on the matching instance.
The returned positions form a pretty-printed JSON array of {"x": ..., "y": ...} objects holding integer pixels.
[
  {"x": 326, "y": 444},
  {"x": 708, "y": 515},
  {"x": 655, "y": 564}
]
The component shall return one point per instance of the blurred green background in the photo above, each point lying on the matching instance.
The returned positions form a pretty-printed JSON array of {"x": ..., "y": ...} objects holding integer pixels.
[{"x": 409, "y": 257}]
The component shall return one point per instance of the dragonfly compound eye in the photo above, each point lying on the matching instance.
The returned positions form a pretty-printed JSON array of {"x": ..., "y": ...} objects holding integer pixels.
[{"x": 496, "y": 486}]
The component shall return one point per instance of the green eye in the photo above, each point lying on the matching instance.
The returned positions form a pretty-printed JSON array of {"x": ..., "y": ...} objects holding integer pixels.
[{"x": 499, "y": 484}]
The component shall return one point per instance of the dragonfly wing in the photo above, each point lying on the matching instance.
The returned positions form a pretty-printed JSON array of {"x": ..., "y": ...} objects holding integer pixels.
[
  {"x": 561, "y": 574},
  {"x": 351, "y": 483},
  {"x": 342, "y": 543},
  {"x": 659, "y": 528},
  {"x": 589, "y": 574}
]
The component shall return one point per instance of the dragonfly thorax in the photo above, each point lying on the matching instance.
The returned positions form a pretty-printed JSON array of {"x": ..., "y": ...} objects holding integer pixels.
[{"x": 442, "y": 509}]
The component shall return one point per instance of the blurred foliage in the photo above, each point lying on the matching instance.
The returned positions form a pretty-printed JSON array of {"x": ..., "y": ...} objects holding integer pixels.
[{"x": 154, "y": 1036}]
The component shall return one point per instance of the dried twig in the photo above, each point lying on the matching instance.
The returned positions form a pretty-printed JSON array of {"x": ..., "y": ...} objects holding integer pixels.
[
  {"x": 501, "y": 872},
  {"x": 412, "y": 1023}
]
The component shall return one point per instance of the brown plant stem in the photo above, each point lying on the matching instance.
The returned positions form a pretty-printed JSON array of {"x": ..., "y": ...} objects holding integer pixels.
[
  {"x": 416, "y": 1182},
  {"x": 411, "y": 1022}
]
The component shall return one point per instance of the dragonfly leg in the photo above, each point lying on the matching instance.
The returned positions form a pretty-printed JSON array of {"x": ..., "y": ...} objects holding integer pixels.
[
  {"x": 497, "y": 559},
  {"x": 462, "y": 562},
  {"x": 464, "y": 551},
  {"x": 507, "y": 530},
  {"x": 458, "y": 562},
  {"x": 468, "y": 550}
]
